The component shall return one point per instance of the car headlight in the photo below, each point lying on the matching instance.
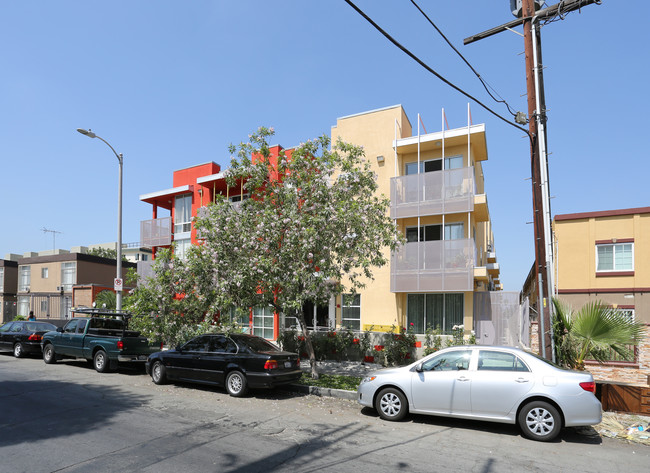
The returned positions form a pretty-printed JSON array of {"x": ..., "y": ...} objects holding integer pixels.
[{"x": 367, "y": 379}]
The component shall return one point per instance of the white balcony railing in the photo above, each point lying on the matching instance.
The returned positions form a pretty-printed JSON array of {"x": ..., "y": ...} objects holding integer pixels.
[
  {"x": 443, "y": 265},
  {"x": 156, "y": 232},
  {"x": 432, "y": 193}
]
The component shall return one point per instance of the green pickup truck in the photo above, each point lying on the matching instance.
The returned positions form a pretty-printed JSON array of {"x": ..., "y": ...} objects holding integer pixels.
[{"x": 101, "y": 337}]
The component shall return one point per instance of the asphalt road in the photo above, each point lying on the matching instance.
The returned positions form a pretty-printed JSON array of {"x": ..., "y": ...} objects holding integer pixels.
[{"x": 68, "y": 418}]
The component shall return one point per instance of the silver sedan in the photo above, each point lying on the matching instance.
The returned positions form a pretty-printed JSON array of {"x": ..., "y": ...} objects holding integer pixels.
[{"x": 498, "y": 384}]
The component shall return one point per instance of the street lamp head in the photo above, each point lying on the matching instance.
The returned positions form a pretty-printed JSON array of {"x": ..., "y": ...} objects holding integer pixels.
[{"x": 87, "y": 132}]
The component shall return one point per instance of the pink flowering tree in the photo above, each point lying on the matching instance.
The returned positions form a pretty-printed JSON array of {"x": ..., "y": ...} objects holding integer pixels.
[{"x": 313, "y": 227}]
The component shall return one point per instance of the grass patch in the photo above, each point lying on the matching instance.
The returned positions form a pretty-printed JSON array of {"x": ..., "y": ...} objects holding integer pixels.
[{"x": 348, "y": 383}]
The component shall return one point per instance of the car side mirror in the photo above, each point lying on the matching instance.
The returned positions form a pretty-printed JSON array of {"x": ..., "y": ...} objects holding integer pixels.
[
  {"x": 59, "y": 329},
  {"x": 418, "y": 368}
]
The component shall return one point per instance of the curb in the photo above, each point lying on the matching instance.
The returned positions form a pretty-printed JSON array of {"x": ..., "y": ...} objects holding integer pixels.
[{"x": 323, "y": 392}]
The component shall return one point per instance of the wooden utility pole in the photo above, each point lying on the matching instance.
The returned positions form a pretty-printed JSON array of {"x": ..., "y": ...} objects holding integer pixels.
[{"x": 538, "y": 154}]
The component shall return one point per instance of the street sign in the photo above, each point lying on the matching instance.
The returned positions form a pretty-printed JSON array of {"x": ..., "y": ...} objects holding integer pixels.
[{"x": 117, "y": 284}]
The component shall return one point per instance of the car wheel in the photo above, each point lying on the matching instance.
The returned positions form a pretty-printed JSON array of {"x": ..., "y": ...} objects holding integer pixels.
[
  {"x": 18, "y": 350},
  {"x": 391, "y": 404},
  {"x": 100, "y": 361},
  {"x": 49, "y": 356},
  {"x": 158, "y": 373},
  {"x": 539, "y": 420},
  {"x": 236, "y": 384}
]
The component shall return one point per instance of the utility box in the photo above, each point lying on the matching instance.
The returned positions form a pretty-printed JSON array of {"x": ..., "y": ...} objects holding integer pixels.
[{"x": 515, "y": 6}]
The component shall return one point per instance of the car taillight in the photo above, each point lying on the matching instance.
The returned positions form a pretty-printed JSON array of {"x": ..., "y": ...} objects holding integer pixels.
[
  {"x": 271, "y": 365},
  {"x": 120, "y": 345},
  {"x": 589, "y": 386},
  {"x": 34, "y": 337}
]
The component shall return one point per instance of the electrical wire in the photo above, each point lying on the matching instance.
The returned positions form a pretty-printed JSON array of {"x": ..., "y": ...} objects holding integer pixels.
[
  {"x": 431, "y": 70},
  {"x": 485, "y": 84}
]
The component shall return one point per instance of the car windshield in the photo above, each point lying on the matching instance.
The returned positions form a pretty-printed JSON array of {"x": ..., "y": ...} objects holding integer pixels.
[
  {"x": 39, "y": 327},
  {"x": 256, "y": 344}
]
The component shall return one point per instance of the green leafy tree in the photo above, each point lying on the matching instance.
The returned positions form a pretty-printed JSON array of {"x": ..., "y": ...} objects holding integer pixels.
[
  {"x": 312, "y": 228},
  {"x": 594, "y": 332},
  {"x": 105, "y": 253},
  {"x": 105, "y": 299}
]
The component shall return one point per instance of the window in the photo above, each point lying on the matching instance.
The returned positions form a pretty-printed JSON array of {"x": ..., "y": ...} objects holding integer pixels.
[
  {"x": 437, "y": 311},
  {"x": 2, "y": 279},
  {"x": 452, "y": 162},
  {"x": 499, "y": 361},
  {"x": 453, "y": 231},
  {"x": 44, "y": 273},
  {"x": 238, "y": 198},
  {"x": 450, "y": 361},
  {"x": 6, "y": 327},
  {"x": 221, "y": 344},
  {"x": 23, "y": 305},
  {"x": 25, "y": 277},
  {"x": 68, "y": 275},
  {"x": 351, "y": 311},
  {"x": 183, "y": 214},
  {"x": 44, "y": 306},
  {"x": 181, "y": 247},
  {"x": 70, "y": 327},
  {"x": 615, "y": 257},
  {"x": 198, "y": 344},
  {"x": 242, "y": 318},
  {"x": 81, "y": 326},
  {"x": 263, "y": 322},
  {"x": 145, "y": 257}
]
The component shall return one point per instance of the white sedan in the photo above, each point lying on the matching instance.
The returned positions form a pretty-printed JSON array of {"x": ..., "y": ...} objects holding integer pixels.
[{"x": 498, "y": 384}]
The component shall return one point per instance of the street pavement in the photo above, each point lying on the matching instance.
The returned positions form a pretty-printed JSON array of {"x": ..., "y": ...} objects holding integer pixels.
[{"x": 68, "y": 418}]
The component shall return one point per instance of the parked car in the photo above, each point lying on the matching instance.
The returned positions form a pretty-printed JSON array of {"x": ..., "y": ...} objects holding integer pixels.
[
  {"x": 236, "y": 362},
  {"x": 499, "y": 384},
  {"x": 23, "y": 337},
  {"x": 101, "y": 337}
]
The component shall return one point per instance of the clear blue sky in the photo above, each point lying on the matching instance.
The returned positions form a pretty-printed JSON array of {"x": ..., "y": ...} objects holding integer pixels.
[{"x": 170, "y": 84}]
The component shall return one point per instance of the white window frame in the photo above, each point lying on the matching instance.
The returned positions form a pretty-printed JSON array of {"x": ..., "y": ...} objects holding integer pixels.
[
  {"x": 182, "y": 226},
  {"x": 24, "y": 277},
  {"x": 2, "y": 279},
  {"x": 265, "y": 313},
  {"x": 181, "y": 246},
  {"x": 68, "y": 275},
  {"x": 45, "y": 272},
  {"x": 345, "y": 305},
  {"x": 614, "y": 268}
]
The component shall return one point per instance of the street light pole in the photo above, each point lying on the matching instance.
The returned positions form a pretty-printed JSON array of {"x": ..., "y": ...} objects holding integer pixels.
[{"x": 120, "y": 159}]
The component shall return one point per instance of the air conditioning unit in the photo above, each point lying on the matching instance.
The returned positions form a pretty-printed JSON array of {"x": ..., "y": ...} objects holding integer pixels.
[{"x": 60, "y": 288}]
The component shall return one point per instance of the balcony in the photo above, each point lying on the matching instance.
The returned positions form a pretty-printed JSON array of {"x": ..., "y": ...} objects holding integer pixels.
[
  {"x": 156, "y": 232},
  {"x": 432, "y": 193},
  {"x": 444, "y": 265}
]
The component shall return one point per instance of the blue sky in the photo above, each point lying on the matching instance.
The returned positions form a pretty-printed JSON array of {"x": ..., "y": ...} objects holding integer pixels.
[{"x": 170, "y": 84}]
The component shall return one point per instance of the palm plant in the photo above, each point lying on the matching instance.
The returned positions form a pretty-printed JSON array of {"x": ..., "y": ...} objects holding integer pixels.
[
  {"x": 593, "y": 331},
  {"x": 105, "y": 299}
]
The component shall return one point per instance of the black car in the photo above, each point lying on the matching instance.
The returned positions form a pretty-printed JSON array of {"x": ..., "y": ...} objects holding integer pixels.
[
  {"x": 23, "y": 337},
  {"x": 236, "y": 361}
]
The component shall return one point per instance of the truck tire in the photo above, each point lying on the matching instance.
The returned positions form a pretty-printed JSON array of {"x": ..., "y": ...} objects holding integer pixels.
[
  {"x": 101, "y": 362},
  {"x": 49, "y": 356}
]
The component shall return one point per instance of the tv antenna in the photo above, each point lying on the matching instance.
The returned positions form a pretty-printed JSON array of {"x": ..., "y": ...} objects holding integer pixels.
[{"x": 53, "y": 232}]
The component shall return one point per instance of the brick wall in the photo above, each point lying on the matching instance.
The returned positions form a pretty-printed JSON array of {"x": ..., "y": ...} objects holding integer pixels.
[{"x": 634, "y": 374}]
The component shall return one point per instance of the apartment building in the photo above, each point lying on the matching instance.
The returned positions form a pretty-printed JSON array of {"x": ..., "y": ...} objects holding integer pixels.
[
  {"x": 603, "y": 256},
  {"x": 436, "y": 187},
  {"x": 52, "y": 282},
  {"x": 435, "y": 183},
  {"x": 8, "y": 286}
]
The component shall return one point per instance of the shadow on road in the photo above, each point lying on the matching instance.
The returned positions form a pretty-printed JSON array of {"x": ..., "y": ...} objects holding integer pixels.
[{"x": 46, "y": 409}]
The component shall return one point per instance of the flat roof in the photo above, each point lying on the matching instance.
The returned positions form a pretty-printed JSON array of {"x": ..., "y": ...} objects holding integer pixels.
[{"x": 603, "y": 213}]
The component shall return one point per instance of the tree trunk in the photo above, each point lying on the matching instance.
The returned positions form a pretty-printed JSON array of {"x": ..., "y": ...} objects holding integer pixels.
[{"x": 310, "y": 348}]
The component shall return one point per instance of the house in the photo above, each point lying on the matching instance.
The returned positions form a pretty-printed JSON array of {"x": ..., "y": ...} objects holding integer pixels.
[
  {"x": 8, "y": 286},
  {"x": 52, "y": 282},
  {"x": 603, "y": 256},
  {"x": 132, "y": 252},
  {"x": 436, "y": 186}
]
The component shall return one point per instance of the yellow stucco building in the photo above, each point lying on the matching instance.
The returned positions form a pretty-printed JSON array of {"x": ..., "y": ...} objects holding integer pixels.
[
  {"x": 605, "y": 256},
  {"x": 435, "y": 184}
]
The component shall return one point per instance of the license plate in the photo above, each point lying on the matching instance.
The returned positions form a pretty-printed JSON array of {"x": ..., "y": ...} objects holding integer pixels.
[
  {"x": 142, "y": 357},
  {"x": 287, "y": 364}
]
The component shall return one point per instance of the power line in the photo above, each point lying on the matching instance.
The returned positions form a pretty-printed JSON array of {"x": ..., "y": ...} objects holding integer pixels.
[
  {"x": 485, "y": 84},
  {"x": 432, "y": 71}
]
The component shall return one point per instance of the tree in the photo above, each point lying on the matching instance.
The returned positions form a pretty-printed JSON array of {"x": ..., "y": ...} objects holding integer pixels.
[
  {"x": 594, "y": 331},
  {"x": 105, "y": 299},
  {"x": 104, "y": 253},
  {"x": 167, "y": 306},
  {"x": 313, "y": 227}
]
